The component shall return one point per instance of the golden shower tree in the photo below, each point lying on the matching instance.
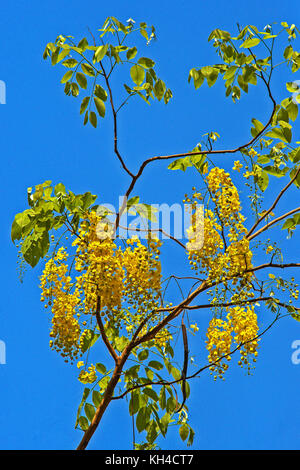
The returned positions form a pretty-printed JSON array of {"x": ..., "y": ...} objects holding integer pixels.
[{"x": 100, "y": 287}]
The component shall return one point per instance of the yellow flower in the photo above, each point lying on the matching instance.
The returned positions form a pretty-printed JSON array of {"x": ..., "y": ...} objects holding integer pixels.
[
  {"x": 194, "y": 327},
  {"x": 237, "y": 165}
]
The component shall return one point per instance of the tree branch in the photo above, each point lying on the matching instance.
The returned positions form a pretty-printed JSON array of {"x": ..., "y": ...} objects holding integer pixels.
[
  {"x": 274, "y": 204},
  {"x": 103, "y": 334},
  {"x": 269, "y": 224}
]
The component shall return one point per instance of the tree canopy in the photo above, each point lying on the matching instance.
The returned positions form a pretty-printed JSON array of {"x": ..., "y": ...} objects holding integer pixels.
[{"x": 100, "y": 286}]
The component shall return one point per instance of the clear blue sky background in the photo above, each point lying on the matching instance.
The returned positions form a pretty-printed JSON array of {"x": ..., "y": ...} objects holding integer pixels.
[{"x": 42, "y": 138}]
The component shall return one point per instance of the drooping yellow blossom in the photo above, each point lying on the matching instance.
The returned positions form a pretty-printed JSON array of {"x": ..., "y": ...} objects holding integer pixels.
[
  {"x": 237, "y": 165},
  {"x": 245, "y": 328},
  {"x": 218, "y": 344},
  {"x": 225, "y": 261},
  {"x": 56, "y": 286},
  {"x": 127, "y": 282},
  {"x": 89, "y": 376},
  {"x": 240, "y": 327}
]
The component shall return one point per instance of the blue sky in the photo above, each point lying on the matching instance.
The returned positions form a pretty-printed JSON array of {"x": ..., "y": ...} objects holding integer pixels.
[{"x": 42, "y": 138}]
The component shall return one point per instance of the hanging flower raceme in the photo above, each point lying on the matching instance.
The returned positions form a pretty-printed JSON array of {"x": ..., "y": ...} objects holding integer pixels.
[
  {"x": 127, "y": 281},
  {"x": 57, "y": 288},
  {"x": 239, "y": 327},
  {"x": 225, "y": 261}
]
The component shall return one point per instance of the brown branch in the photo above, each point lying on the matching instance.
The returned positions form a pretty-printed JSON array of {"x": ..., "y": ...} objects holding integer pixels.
[
  {"x": 207, "y": 366},
  {"x": 269, "y": 224},
  {"x": 173, "y": 314},
  {"x": 116, "y": 150},
  {"x": 102, "y": 331},
  {"x": 121, "y": 360},
  {"x": 160, "y": 230},
  {"x": 225, "y": 304},
  {"x": 274, "y": 204},
  {"x": 185, "y": 366},
  {"x": 187, "y": 154},
  {"x": 273, "y": 265}
]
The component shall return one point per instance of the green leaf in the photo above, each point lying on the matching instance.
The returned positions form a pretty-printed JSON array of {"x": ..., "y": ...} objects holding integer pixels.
[
  {"x": 132, "y": 201},
  {"x": 100, "y": 106},
  {"x": 141, "y": 421},
  {"x": 191, "y": 437},
  {"x": 159, "y": 89},
  {"x": 219, "y": 34},
  {"x": 101, "y": 368},
  {"x": 176, "y": 373},
  {"x": 85, "y": 394},
  {"x": 54, "y": 56},
  {"x": 258, "y": 127},
  {"x": 292, "y": 87},
  {"x": 81, "y": 79},
  {"x": 88, "y": 70},
  {"x": 60, "y": 189},
  {"x": 292, "y": 109},
  {"x": 297, "y": 180},
  {"x": 162, "y": 398},
  {"x": 70, "y": 63},
  {"x": 145, "y": 62},
  {"x": 16, "y": 231},
  {"x": 93, "y": 119},
  {"x": 143, "y": 355},
  {"x": 89, "y": 340},
  {"x": 167, "y": 96},
  {"x": 151, "y": 393},
  {"x": 164, "y": 423},
  {"x": 100, "y": 93},
  {"x": 83, "y": 423},
  {"x": 66, "y": 76},
  {"x": 100, "y": 52},
  {"x": 131, "y": 53},
  {"x": 97, "y": 398},
  {"x": 156, "y": 365},
  {"x": 84, "y": 104},
  {"x": 184, "y": 431},
  {"x": 250, "y": 42},
  {"x": 35, "y": 247},
  {"x": 263, "y": 180},
  {"x": 295, "y": 155},
  {"x": 89, "y": 411},
  {"x": 137, "y": 74},
  {"x": 83, "y": 44},
  {"x": 180, "y": 164},
  {"x": 197, "y": 77},
  {"x": 272, "y": 170},
  {"x": 74, "y": 89},
  {"x": 289, "y": 223},
  {"x": 134, "y": 403}
]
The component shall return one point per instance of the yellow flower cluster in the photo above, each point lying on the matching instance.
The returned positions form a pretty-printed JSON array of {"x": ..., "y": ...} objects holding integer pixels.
[
  {"x": 224, "y": 259},
  {"x": 244, "y": 325},
  {"x": 218, "y": 344},
  {"x": 240, "y": 257},
  {"x": 224, "y": 194},
  {"x": 163, "y": 337},
  {"x": 211, "y": 259},
  {"x": 237, "y": 165},
  {"x": 89, "y": 376},
  {"x": 212, "y": 244},
  {"x": 241, "y": 327},
  {"x": 56, "y": 286},
  {"x": 127, "y": 281}
]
